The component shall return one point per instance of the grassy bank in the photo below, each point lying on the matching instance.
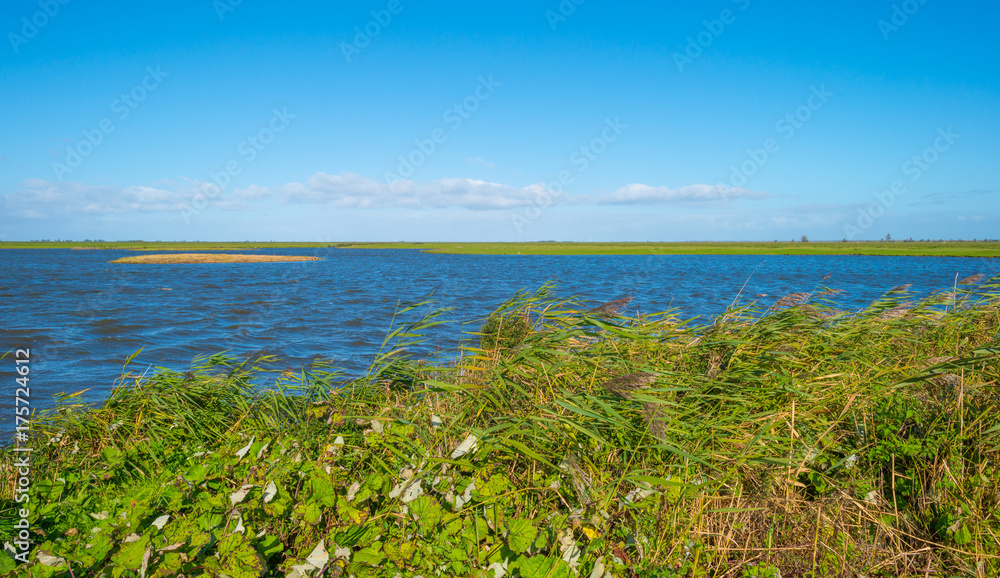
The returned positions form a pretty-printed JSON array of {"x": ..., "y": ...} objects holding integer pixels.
[
  {"x": 566, "y": 440},
  {"x": 895, "y": 248},
  {"x": 181, "y": 258},
  {"x": 159, "y": 245}
]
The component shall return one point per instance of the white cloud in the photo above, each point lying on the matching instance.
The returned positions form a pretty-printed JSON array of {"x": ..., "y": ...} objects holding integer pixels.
[
  {"x": 481, "y": 161},
  {"x": 37, "y": 198},
  {"x": 639, "y": 194},
  {"x": 352, "y": 191}
]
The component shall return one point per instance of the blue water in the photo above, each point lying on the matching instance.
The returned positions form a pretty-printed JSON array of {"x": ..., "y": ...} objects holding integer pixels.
[{"x": 81, "y": 316}]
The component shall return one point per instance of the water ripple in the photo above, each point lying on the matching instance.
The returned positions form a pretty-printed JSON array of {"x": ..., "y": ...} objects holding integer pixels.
[{"x": 83, "y": 318}]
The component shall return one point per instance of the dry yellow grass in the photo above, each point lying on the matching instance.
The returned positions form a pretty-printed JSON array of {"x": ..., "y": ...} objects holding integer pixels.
[{"x": 173, "y": 258}]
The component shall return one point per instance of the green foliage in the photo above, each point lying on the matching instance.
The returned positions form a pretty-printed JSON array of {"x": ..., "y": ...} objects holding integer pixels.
[
  {"x": 504, "y": 331},
  {"x": 787, "y": 441}
]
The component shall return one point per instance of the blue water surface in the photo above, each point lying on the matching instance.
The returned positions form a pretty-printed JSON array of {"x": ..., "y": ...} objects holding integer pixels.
[{"x": 82, "y": 317}]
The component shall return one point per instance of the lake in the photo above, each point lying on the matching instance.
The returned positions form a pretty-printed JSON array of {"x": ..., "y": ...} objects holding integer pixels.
[{"x": 82, "y": 317}]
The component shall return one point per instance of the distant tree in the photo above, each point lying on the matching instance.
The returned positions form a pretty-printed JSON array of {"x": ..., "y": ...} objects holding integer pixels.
[
  {"x": 805, "y": 239},
  {"x": 888, "y": 237}
]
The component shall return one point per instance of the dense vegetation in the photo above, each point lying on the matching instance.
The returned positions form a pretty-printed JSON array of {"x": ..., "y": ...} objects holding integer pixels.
[{"x": 564, "y": 440}]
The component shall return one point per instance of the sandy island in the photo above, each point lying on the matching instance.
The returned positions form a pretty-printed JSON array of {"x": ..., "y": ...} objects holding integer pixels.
[{"x": 172, "y": 258}]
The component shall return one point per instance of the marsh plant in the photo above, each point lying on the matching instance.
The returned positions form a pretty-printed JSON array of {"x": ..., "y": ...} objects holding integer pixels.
[{"x": 563, "y": 440}]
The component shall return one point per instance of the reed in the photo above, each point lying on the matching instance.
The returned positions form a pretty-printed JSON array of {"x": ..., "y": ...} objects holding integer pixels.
[{"x": 799, "y": 440}]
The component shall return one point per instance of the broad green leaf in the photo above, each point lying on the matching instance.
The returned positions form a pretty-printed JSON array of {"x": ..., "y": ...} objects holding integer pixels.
[
  {"x": 372, "y": 555},
  {"x": 269, "y": 546},
  {"x": 426, "y": 510},
  {"x": 238, "y": 559},
  {"x": 520, "y": 534},
  {"x": 542, "y": 567},
  {"x": 129, "y": 556}
]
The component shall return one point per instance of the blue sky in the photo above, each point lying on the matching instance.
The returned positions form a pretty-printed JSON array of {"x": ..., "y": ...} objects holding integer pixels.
[{"x": 574, "y": 120}]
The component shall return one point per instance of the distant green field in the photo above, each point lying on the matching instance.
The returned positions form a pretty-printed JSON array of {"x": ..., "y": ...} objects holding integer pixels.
[
  {"x": 937, "y": 249},
  {"x": 901, "y": 248},
  {"x": 160, "y": 246}
]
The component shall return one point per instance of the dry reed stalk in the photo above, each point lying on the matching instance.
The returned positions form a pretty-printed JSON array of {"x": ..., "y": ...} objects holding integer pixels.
[
  {"x": 897, "y": 312},
  {"x": 611, "y": 308},
  {"x": 792, "y": 299},
  {"x": 623, "y": 385}
]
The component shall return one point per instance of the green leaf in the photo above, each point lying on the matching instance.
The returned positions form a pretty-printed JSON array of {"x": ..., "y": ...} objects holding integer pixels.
[
  {"x": 962, "y": 535},
  {"x": 7, "y": 563},
  {"x": 401, "y": 554},
  {"x": 269, "y": 546},
  {"x": 311, "y": 513},
  {"x": 130, "y": 555},
  {"x": 477, "y": 531},
  {"x": 111, "y": 455},
  {"x": 426, "y": 510},
  {"x": 209, "y": 521},
  {"x": 238, "y": 559},
  {"x": 347, "y": 512},
  {"x": 186, "y": 530},
  {"x": 323, "y": 490},
  {"x": 278, "y": 507},
  {"x": 197, "y": 473},
  {"x": 49, "y": 491},
  {"x": 542, "y": 567},
  {"x": 173, "y": 563},
  {"x": 495, "y": 486},
  {"x": 133, "y": 356},
  {"x": 371, "y": 555},
  {"x": 520, "y": 534}
]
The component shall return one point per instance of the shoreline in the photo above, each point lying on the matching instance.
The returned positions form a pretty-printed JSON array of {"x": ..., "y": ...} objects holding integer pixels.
[
  {"x": 977, "y": 249},
  {"x": 570, "y": 439}
]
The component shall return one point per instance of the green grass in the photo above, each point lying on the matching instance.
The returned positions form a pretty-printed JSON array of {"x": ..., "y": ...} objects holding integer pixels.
[
  {"x": 159, "y": 245},
  {"x": 802, "y": 440},
  {"x": 898, "y": 248}
]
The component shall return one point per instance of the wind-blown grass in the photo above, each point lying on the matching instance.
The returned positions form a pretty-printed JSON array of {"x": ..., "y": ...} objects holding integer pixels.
[{"x": 801, "y": 440}]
